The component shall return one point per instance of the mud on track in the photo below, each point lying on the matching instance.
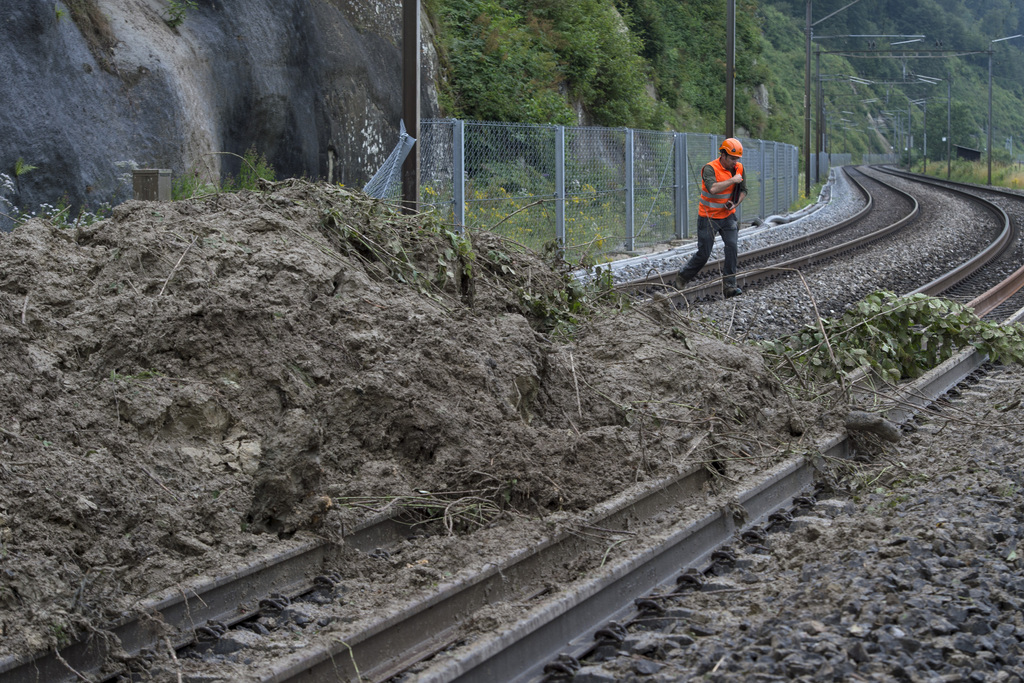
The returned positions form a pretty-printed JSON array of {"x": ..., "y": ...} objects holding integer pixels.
[{"x": 190, "y": 385}]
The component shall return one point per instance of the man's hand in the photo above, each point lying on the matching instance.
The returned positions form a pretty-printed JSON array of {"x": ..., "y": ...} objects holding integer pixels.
[{"x": 737, "y": 179}]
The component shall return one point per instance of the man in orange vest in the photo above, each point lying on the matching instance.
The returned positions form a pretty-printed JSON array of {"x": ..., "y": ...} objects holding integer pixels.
[{"x": 722, "y": 189}]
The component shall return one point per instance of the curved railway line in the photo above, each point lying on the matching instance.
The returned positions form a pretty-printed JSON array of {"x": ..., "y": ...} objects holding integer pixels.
[
  {"x": 225, "y": 619},
  {"x": 890, "y": 213}
]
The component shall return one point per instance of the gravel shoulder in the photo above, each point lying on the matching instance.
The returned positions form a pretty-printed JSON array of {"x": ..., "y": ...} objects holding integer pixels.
[{"x": 908, "y": 569}]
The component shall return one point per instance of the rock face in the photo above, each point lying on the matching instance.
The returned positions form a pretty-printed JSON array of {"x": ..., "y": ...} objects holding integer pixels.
[{"x": 93, "y": 87}]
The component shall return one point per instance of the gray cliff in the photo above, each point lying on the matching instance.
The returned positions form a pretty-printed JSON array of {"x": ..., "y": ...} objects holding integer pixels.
[{"x": 314, "y": 85}]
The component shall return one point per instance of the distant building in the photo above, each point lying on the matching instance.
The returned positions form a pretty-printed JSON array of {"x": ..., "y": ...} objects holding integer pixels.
[{"x": 967, "y": 153}]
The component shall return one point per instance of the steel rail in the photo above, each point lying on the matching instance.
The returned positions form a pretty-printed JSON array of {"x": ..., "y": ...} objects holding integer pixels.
[
  {"x": 1007, "y": 236},
  {"x": 750, "y": 277},
  {"x": 988, "y": 301},
  {"x": 175, "y": 616},
  {"x": 391, "y": 644},
  {"x": 993, "y": 297},
  {"x": 566, "y": 626},
  {"x": 744, "y": 279}
]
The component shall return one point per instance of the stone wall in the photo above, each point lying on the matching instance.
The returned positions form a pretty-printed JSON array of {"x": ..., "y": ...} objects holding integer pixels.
[{"x": 315, "y": 85}]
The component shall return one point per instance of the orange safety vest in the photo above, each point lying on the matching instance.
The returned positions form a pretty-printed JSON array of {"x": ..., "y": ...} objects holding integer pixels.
[{"x": 713, "y": 205}]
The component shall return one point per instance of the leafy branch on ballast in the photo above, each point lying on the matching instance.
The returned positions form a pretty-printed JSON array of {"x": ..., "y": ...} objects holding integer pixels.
[{"x": 898, "y": 337}]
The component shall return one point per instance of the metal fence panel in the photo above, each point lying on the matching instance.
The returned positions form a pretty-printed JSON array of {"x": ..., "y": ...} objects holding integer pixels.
[
  {"x": 771, "y": 184},
  {"x": 595, "y": 189},
  {"x": 752, "y": 171},
  {"x": 437, "y": 168},
  {"x": 700, "y": 149},
  {"x": 511, "y": 182},
  {"x": 654, "y": 180}
]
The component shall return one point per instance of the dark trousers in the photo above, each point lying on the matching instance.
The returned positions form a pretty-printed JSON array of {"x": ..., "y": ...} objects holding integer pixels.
[{"x": 729, "y": 229}]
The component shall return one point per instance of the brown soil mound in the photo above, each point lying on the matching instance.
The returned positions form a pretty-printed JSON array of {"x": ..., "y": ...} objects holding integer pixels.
[{"x": 187, "y": 384}]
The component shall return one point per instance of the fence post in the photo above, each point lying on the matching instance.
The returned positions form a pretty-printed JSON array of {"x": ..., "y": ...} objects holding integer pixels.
[
  {"x": 761, "y": 160},
  {"x": 775, "y": 178},
  {"x": 680, "y": 199},
  {"x": 459, "y": 174},
  {"x": 560, "y": 186},
  {"x": 795, "y": 161},
  {"x": 794, "y": 175},
  {"x": 686, "y": 186},
  {"x": 630, "y": 191}
]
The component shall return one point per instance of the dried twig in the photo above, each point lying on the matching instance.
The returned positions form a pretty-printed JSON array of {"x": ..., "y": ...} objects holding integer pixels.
[
  {"x": 79, "y": 674},
  {"x": 176, "y": 265},
  {"x": 159, "y": 483},
  {"x": 174, "y": 657},
  {"x": 610, "y": 548},
  {"x": 520, "y": 209},
  {"x": 352, "y": 656},
  {"x": 576, "y": 385},
  {"x": 12, "y": 435}
]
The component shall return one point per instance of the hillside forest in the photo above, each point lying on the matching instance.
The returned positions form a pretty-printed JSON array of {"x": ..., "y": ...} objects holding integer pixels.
[{"x": 661, "y": 64}]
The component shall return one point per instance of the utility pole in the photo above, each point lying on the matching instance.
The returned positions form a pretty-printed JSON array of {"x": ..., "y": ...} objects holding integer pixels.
[
  {"x": 989, "y": 147},
  {"x": 817, "y": 109},
  {"x": 411, "y": 102},
  {"x": 807, "y": 104},
  {"x": 990, "y": 50},
  {"x": 949, "y": 119},
  {"x": 730, "y": 70}
]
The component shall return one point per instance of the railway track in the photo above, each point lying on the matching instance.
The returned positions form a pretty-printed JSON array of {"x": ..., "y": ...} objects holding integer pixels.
[
  {"x": 428, "y": 638},
  {"x": 996, "y": 290},
  {"x": 889, "y": 213}
]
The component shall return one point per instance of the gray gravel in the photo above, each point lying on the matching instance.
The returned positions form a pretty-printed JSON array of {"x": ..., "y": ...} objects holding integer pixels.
[
  {"x": 916, "y": 577},
  {"x": 948, "y": 232},
  {"x": 909, "y": 569}
]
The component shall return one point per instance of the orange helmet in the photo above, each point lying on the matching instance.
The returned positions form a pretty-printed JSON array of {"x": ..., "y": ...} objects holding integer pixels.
[{"x": 732, "y": 147}]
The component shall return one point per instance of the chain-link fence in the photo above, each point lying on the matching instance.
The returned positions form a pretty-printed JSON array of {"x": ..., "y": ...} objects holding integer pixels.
[
  {"x": 590, "y": 190},
  {"x": 880, "y": 159},
  {"x": 825, "y": 162}
]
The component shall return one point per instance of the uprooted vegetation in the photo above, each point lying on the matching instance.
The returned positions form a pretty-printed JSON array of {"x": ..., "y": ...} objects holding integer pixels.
[{"x": 190, "y": 383}]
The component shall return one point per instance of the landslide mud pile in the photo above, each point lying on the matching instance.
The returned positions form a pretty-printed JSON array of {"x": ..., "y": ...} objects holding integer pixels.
[{"x": 187, "y": 385}]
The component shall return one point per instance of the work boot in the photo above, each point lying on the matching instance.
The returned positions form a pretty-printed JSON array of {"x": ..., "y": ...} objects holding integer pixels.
[
  {"x": 729, "y": 288},
  {"x": 682, "y": 281}
]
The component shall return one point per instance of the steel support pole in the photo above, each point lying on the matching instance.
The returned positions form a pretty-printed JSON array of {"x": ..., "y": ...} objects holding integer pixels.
[
  {"x": 679, "y": 200},
  {"x": 560, "y": 186},
  {"x": 411, "y": 102},
  {"x": 817, "y": 111},
  {"x": 686, "y": 186},
  {"x": 630, "y": 191},
  {"x": 775, "y": 178},
  {"x": 910, "y": 134},
  {"x": 807, "y": 104},
  {"x": 989, "y": 149},
  {"x": 761, "y": 175},
  {"x": 924, "y": 134},
  {"x": 459, "y": 174},
  {"x": 730, "y": 70},
  {"x": 949, "y": 119}
]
